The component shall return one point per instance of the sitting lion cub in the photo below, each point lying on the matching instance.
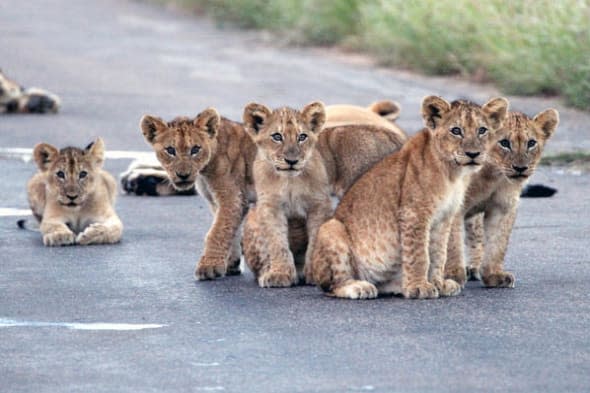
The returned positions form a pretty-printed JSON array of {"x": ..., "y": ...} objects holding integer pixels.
[
  {"x": 298, "y": 166},
  {"x": 492, "y": 199},
  {"x": 72, "y": 197},
  {"x": 389, "y": 233}
]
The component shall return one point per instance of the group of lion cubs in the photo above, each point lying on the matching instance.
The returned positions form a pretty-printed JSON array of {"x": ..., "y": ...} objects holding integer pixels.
[{"x": 408, "y": 206}]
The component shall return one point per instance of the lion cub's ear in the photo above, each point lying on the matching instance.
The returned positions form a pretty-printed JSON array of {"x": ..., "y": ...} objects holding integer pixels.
[
  {"x": 387, "y": 109},
  {"x": 44, "y": 154},
  {"x": 255, "y": 116},
  {"x": 314, "y": 115},
  {"x": 433, "y": 109},
  {"x": 208, "y": 121},
  {"x": 547, "y": 121},
  {"x": 95, "y": 150},
  {"x": 496, "y": 110},
  {"x": 151, "y": 126}
]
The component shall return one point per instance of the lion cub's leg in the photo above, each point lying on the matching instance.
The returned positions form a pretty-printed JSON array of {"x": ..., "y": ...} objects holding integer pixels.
[
  {"x": 474, "y": 239},
  {"x": 332, "y": 264},
  {"x": 102, "y": 232},
  {"x": 56, "y": 233},
  {"x": 279, "y": 269},
  {"x": 497, "y": 227},
  {"x": 415, "y": 256},
  {"x": 455, "y": 266},
  {"x": 254, "y": 244},
  {"x": 316, "y": 216},
  {"x": 439, "y": 239},
  {"x": 229, "y": 208}
]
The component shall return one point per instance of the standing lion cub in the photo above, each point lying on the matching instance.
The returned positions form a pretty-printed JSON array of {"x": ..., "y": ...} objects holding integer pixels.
[
  {"x": 390, "y": 231},
  {"x": 73, "y": 197}
]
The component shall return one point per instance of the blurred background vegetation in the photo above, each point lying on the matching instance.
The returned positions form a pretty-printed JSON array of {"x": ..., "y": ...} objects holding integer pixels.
[{"x": 524, "y": 46}]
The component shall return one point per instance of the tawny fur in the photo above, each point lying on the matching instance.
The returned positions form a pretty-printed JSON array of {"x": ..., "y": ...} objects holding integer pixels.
[
  {"x": 324, "y": 163},
  {"x": 492, "y": 199},
  {"x": 389, "y": 233},
  {"x": 217, "y": 155},
  {"x": 72, "y": 197}
]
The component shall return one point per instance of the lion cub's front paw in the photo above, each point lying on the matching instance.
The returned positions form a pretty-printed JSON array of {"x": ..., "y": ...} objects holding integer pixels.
[
  {"x": 423, "y": 290},
  {"x": 447, "y": 287},
  {"x": 458, "y": 274},
  {"x": 210, "y": 268},
  {"x": 278, "y": 277},
  {"x": 356, "y": 289},
  {"x": 499, "y": 280},
  {"x": 59, "y": 238},
  {"x": 94, "y": 234}
]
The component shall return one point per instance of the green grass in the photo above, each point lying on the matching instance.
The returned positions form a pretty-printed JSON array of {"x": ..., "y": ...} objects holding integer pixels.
[
  {"x": 566, "y": 158},
  {"x": 524, "y": 46}
]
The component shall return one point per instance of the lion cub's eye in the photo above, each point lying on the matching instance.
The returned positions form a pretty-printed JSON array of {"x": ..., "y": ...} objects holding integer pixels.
[
  {"x": 302, "y": 137},
  {"x": 482, "y": 130},
  {"x": 456, "y": 131},
  {"x": 505, "y": 143},
  {"x": 195, "y": 150},
  {"x": 277, "y": 137},
  {"x": 532, "y": 143},
  {"x": 83, "y": 174},
  {"x": 170, "y": 150},
  {"x": 61, "y": 174}
]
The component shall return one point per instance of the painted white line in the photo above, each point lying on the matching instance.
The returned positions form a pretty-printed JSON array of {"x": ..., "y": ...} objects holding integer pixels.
[
  {"x": 214, "y": 364},
  {"x": 26, "y": 154},
  {"x": 10, "y": 212},
  {"x": 78, "y": 326}
]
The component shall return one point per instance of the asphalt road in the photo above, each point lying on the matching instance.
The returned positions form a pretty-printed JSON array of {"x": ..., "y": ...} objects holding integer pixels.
[{"x": 111, "y": 62}]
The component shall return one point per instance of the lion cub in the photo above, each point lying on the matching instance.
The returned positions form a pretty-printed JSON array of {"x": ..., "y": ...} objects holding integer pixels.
[
  {"x": 217, "y": 155},
  {"x": 492, "y": 199},
  {"x": 389, "y": 233},
  {"x": 72, "y": 197},
  {"x": 298, "y": 166}
]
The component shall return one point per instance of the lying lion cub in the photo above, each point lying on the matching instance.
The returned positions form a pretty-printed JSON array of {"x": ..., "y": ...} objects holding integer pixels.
[
  {"x": 492, "y": 199},
  {"x": 298, "y": 166},
  {"x": 72, "y": 197},
  {"x": 389, "y": 233}
]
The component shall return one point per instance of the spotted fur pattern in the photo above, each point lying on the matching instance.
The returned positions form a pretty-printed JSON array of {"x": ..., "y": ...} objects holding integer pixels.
[{"x": 16, "y": 99}]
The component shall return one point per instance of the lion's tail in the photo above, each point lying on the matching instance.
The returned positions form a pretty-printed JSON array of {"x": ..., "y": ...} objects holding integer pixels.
[{"x": 27, "y": 225}]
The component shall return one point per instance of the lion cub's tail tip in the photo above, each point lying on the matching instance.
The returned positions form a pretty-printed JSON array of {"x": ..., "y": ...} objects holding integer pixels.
[{"x": 23, "y": 223}]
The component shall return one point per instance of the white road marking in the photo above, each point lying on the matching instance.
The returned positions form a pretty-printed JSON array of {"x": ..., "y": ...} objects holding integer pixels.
[
  {"x": 214, "y": 364},
  {"x": 10, "y": 212},
  {"x": 26, "y": 154},
  {"x": 78, "y": 326}
]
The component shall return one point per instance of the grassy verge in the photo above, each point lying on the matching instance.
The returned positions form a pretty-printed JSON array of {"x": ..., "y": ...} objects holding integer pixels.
[{"x": 524, "y": 46}]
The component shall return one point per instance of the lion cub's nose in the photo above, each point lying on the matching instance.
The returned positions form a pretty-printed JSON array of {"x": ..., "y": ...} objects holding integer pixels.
[
  {"x": 72, "y": 197},
  {"x": 291, "y": 162},
  {"x": 182, "y": 176},
  {"x": 472, "y": 154},
  {"x": 520, "y": 169}
]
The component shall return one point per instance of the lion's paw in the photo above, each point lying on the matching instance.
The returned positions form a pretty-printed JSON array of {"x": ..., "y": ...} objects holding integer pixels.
[
  {"x": 423, "y": 290},
  {"x": 447, "y": 287},
  {"x": 210, "y": 268},
  {"x": 499, "y": 280},
  {"x": 59, "y": 238},
  {"x": 356, "y": 289},
  {"x": 278, "y": 277}
]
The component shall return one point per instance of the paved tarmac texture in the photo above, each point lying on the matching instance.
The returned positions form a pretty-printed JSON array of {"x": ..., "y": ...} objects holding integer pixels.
[{"x": 112, "y": 61}]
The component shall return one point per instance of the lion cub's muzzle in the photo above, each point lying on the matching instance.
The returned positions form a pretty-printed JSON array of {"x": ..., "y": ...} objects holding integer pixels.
[
  {"x": 520, "y": 172},
  {"x": 471, "y": 159},
  {"x": 183, "y": 181},
  {"x": 290, "y": 166}
]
